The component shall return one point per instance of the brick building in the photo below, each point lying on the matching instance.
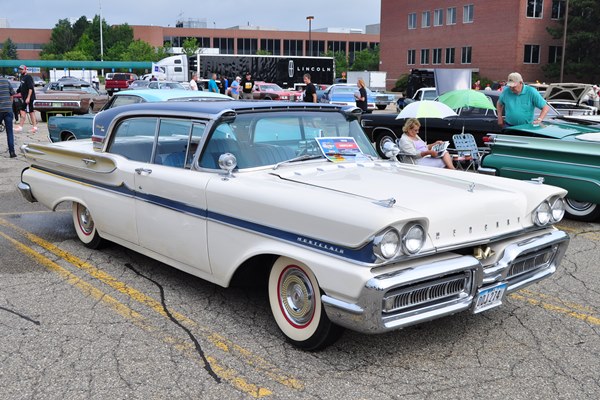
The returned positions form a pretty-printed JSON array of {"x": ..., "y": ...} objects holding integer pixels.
[
  {"x": 493, "y": 38},
  {"x": 240, "y": 40}
]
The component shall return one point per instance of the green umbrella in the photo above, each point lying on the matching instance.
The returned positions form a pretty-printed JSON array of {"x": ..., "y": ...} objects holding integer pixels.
[{"x": 456, "y": 99}]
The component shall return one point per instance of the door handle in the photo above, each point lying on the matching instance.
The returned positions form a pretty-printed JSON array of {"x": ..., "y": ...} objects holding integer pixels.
[{"x": 143, "y": 171}]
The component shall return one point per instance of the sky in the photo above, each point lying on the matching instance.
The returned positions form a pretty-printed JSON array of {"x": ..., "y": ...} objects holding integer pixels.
[{"x": 280, "y": 14}]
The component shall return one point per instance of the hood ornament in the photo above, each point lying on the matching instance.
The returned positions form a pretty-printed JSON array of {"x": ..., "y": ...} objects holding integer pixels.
[{"x": 387, "y": 203}]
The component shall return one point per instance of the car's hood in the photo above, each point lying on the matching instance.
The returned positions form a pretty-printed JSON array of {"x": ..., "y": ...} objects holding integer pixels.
[
  {"x": 352, "y": 202},
  {"x": 571, "y": 92}
]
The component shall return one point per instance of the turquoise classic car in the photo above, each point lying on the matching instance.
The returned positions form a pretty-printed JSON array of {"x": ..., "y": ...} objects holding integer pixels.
[
  {"x": 563, "y": 154},
  {"x": 61, "y": 128}
]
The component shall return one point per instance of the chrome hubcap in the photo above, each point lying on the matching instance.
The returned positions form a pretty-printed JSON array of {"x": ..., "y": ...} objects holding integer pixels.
[
  {"x": 297, "y": 296},
  {"x": 85, "y": 220}
]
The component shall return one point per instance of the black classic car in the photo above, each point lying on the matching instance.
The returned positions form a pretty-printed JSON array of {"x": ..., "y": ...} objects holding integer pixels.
[{"x": 477, "y": 121}]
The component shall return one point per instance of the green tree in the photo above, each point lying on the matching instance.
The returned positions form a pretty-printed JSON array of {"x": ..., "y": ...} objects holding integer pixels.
[
  {"x": 76, "y": 55},
  {"x": 341, "y": 61},
  {"x": 583, "y": 39},
  {"x": 80, "y": 27},
  {"x": 263, "y": 52},
  {"x": 139, "y": 50},
  {"x": 9, "y": 50},
  {"x": 86, "y": 46},
  {"x": 366, "y": 60},
  {"x": 62, "y": 39},
  {"x": 189, "y": 46}
]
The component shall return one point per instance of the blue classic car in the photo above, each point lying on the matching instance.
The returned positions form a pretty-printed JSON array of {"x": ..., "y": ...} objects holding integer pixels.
[
  {"x": 294, "y": 195},
  {"x": 564, "y": 154},
  {"x": 343, "y": 94},
  {"x": 61, "y": 128}
]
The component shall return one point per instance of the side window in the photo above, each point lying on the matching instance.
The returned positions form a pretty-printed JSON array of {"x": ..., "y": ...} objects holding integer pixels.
[
  {"x": 124, "y": 100},
  {"x": 177, "y": 142},
  {"x": 134, "y": 138}
]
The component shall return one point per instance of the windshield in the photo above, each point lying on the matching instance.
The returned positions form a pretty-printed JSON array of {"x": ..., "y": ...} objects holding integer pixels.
[
  {"x": 266, "y": 139},
  {"x": 270, "y": 88}
]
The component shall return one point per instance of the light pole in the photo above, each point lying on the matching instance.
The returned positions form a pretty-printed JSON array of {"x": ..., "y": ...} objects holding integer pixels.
[
  {"x": 101, "y": 41},
  {"x": 310, "y": 18},
  {"x": 564, "y": 43}
]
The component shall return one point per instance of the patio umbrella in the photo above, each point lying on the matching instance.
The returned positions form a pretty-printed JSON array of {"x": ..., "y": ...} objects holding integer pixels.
[
  {"x": 456, "y": 99},
  {"x": 426, "y": 109}
]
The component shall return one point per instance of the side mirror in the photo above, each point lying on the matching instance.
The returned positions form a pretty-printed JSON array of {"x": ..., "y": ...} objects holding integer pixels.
[{"x": 227, "y": 162}]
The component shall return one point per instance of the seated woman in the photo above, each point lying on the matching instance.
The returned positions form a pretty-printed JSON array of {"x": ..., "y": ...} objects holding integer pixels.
[{"x": 412, "y": 145}]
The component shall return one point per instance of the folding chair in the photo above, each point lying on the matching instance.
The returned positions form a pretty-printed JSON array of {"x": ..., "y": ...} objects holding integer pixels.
[{"x": 467, "y": 152}]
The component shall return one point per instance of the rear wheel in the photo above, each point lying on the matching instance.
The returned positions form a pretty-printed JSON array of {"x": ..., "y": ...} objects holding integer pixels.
[
  {"x": 43, "y": 116},
  {"x": 381, "y": 106},
  {"x": 67, "y": 136},
  {"x": 582, "y": 211},
  {"x": 85, "y": 226},
  {"x": 295, "y": 299}
]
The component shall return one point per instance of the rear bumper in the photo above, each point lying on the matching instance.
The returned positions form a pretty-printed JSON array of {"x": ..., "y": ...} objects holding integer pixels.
[{"x": 433, "y": 290}]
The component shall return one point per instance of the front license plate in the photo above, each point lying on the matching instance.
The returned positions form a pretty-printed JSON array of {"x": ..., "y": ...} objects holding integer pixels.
[{"x": 489, "y": 298}]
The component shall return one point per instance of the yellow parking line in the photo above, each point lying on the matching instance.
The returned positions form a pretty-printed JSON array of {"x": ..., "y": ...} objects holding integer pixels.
[
  {"x": 559, "y": 309},
  {"x": 217, "y": 340},
  {"x": 136, "y": 318}
]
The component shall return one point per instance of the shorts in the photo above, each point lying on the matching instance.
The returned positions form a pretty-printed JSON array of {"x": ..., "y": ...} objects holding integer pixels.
[{"x": 28, "y": 108}]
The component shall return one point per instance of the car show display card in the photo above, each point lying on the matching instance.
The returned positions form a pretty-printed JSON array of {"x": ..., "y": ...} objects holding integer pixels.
[{"x": 338, "y": 149}]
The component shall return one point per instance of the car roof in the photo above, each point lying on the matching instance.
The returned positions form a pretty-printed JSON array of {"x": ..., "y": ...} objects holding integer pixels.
[
  {"x": 153, "y": 95},
  {"x": 199, "y": 109}
]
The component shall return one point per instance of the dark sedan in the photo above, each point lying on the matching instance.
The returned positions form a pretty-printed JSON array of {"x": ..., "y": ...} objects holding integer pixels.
[{"x": 477, "y": 121}]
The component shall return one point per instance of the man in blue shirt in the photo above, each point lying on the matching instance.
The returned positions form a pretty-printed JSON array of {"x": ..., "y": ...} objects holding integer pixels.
[
  {"x": 518, "y": 103},
  {"x": 212, "y": 84}
]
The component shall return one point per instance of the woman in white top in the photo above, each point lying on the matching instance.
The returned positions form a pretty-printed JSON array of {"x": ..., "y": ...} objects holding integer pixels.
[{"x": 412, "y": 145}]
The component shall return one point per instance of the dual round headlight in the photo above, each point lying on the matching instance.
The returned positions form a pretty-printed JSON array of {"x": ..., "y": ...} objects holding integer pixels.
[
  {"x": 390, "y": 242},
  {"x": 549, "y": 212}
]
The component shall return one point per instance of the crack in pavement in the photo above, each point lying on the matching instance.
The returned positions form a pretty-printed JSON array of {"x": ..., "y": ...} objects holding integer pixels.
[
  {"x": 197, "y": 345},
  {"x": 21, "y": 316}
]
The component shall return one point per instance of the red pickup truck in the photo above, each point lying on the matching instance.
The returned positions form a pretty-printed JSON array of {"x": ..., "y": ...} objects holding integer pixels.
[{"x": 119, "y": 81}]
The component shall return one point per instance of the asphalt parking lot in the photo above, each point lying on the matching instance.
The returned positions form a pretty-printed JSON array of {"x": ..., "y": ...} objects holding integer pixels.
[{"x": 77, "y": 323}]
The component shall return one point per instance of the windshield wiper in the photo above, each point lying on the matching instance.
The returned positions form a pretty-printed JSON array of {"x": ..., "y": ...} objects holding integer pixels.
[{"x": 299, "y": 158}]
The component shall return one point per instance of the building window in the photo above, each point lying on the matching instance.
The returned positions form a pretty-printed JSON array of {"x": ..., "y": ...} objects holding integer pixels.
[
  {"x": 558, "y": 9},
  {"x": 438, "y": 17},
  {"x": 412, "y": 21},
  {"x": 465, "y": 57},
  {"x": 411, "y": 57},
  {"x": 451, "y": 16},
  {"x": 318, "y": 48},
  {"x": 424, "y": 56},
  {"x": 450, "y": 55},
  {"x": 534, "y": 8},
  {"x": 273, "y": 46},
  {"x": 336, "y": 46},
  {"x": 554, "y": 54},
  {"x": 225, "y": 45},
  {"x": 468, "y": 13},
  {"x": 292, "y": 47},
  {"x": 436, "y": 56},
  {"x": 426, "y": 19},
  {"x": 531, "y": 54},
  {"x": 247, "y": 46}
]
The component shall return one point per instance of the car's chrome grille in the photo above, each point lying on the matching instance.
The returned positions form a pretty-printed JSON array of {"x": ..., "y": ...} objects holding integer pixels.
[
  {"x": 531, "y": 261},
  {"x": 427, "y": 293}
]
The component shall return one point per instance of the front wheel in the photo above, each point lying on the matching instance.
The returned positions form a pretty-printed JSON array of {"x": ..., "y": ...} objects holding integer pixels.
[
  {"x": 382, "y": 140},
  {"x": 295, "y": 299},
  {"x": 582, "y": 211},
  {"x": 381, "y": 106},
  {"x": 85, "y": 226}
]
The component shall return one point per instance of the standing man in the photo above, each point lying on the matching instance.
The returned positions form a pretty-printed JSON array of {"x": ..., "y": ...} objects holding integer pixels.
[
  {"x": 27, "y": 91},
  {"x": 310, "y": 93},
  {"x": 519, "y": 102},
  {"x": 212, "y": 84},
  {"x": 6, "y": 113},
  {"x": 234, "y": 89},
  {"x": 193, "y": 83},
  {"x": 247, "y": 85}
]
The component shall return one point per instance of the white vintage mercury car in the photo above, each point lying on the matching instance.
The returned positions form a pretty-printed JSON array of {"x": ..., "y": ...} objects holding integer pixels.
[{"x": 297, "y": 192}]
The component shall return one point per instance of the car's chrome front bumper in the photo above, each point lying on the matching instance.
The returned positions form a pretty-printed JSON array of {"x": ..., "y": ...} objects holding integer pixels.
[{"x": 432, "y": 290}]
